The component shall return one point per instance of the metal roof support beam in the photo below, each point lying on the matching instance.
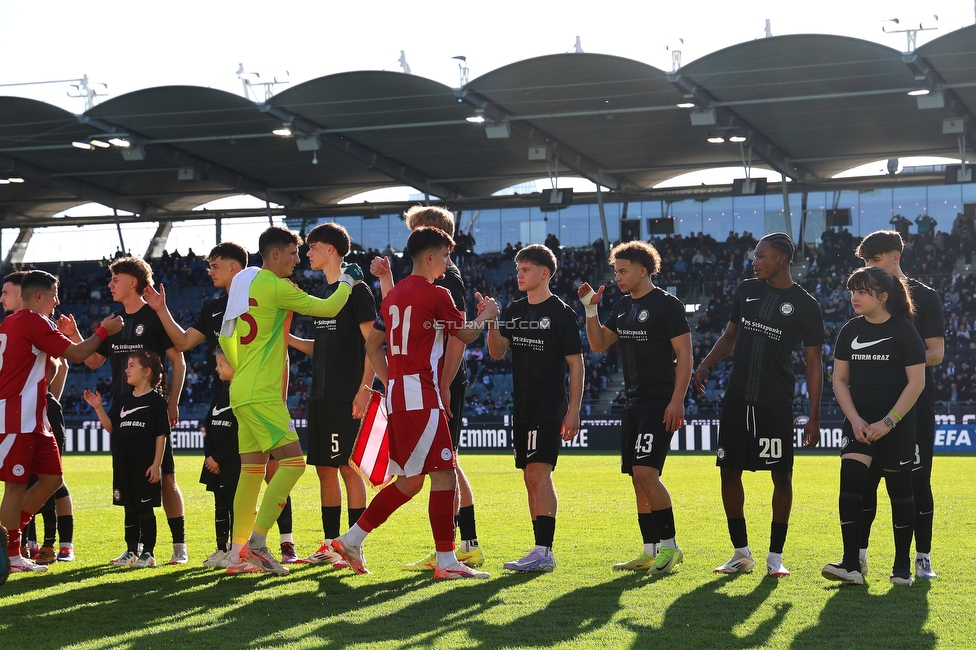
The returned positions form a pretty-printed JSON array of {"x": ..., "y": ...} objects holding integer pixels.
[
  {"x": 158, "y": 243},
  {"x": 765, "y": 148},
  {"x": 214, "y": 171},
  {"x": 19, "y": 248},
  {"x": 77, "y": 188},
  {"x": 372, "y": 159},
  {"x": 573, "y": 159}
]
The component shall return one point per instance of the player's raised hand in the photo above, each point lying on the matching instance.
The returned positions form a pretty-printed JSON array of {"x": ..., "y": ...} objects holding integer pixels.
[
  {"x": 113, "y": 324},
  {"x": 94, "y": 399},
  {"x": 380, "y": 267},
  {"x": 587, "y": 296},
  {"x": 68, "y": 326},
  {"x": 351, "y": 274},
  {"x": 155, "y": 299},
  {"x": 487, "y": 307}
]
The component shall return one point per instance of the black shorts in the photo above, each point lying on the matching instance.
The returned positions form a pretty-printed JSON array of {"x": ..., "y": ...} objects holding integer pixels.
[
  {"x": 643, "y": 439},
  {"x": 168, "y": 465},
  {"x": 895, "y": 451},
  {"x": 131, "y": 457},
  {"x": 458, "y": 389},
  {"x": 755, "y": 437},
  {"x": 332, "y": 433},
  {"x": 537, "y": 443}
]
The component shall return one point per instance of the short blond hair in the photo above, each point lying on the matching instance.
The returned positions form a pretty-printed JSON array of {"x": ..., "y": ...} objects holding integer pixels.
[{"x": 434, "y": 217}]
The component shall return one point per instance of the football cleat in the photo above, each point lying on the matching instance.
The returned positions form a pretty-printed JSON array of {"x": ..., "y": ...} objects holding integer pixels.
[
  {"x": 642, "y": 562},
  {"x": 459, "y": 570},
  {"x": 535, "y": 562},
  {"x": 836, "y": 571},
  {"x": 428, "y": 563},
  {"x": 24, "y": 565},
  {"x": 738, "y": 563},
  {"x": 66, "y": 554},
  {"x": 325, "y": 555},
  {"x": 923, "y": 568},
  {"x": 233, "y": 568},
  {"x": 179, "y": 554},
  {"x": 126, "y": 559},
  {"x": 46, "y": 555},
  {"x": 774, "y": 566},
  {"x": 145, "y": 560},
  {"x": 213, "y": 560},
  {"x": 472, "y": 557},
  {"x": 667, "y": 559},
  {"x": 353, "y": 555},
  {"x": 262, "y": 559},
  {"x": 901, "y": 576},
  {"x": 288, "y": 554}
]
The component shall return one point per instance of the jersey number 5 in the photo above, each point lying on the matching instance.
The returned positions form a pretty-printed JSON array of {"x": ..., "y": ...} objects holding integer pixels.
[
  {"x": 399, "y": 330},
  {"x": 252, "y": 332}
]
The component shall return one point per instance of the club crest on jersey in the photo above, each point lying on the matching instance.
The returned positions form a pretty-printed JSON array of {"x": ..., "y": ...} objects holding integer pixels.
[
  {"x": 116, "y": 495},
  {"x": 720, "y": 453},
  {"x": 17, "y": 470},
  {"x": 642, "y": 316},
  {"x": 140, "y": 328},
  {"x": 544, "y": 324},
  {"x": 446, "y": 454},
  {"x": 844, "y": 442},
  {"x": 786, "y": 308},
  {"x": 291, "y": 426}
]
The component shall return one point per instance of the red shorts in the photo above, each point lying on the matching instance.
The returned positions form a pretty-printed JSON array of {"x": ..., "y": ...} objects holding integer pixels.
[
  {"x": 420, "y": 442},
  {"x": 23, "y": 454}
]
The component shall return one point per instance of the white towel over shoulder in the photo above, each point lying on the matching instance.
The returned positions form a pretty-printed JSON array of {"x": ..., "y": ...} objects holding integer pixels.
[{"x": 240, "y": 290}]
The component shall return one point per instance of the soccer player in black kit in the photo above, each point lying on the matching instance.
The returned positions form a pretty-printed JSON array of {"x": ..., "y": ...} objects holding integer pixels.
[
  {"x": 543, "y": 334},
  {"x": 883, "y": 249},
  {"x": 131, "y": 276},
  {"x": 879, "y": 372},
  {"x": 655, "y": 349},
  {"x": 770, "y": 316}
]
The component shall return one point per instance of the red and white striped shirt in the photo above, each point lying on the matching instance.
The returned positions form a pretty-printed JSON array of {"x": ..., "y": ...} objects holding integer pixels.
[
  {"x": 419, "y": 317},
  {"x": 27, "y": 342}
]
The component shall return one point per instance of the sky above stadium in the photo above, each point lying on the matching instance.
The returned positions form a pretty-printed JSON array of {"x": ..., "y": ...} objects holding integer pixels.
[{"x": 129, "y": 45}]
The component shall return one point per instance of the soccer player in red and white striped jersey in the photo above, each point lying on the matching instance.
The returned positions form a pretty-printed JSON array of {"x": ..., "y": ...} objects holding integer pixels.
[
  {"x": 28, "y": 340},
  {"x": 419, "y": 317}
]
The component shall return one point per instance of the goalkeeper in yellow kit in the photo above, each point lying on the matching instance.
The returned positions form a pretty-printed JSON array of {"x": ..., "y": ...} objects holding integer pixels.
[{"x": 254, "y": 339}]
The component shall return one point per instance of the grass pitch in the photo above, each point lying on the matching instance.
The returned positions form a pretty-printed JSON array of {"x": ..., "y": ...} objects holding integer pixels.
[{"x": 583, "y": 604}]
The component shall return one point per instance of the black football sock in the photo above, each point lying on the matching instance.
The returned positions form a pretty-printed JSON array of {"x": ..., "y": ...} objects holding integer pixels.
[
  {"x": 924, "y": 509},
  {"x": 177, "y": 527},
  {"x": 466, "y": 523},
  {"x": 853, "y": 475},
  {"x": 545, "y": 530},
  {"x": 331, "y": 520},
  {"x": 354, "y": 514},
  {"x": 648, "y": 529},
  {"x": 664, "y": 521},
  {"x": 899, "y": 486},
  {"x": 870, "y": 504},
  {"x": 777, "y": 536},
  {"x": 284, "y": 519},
  {"x": 737, "y": 532}
]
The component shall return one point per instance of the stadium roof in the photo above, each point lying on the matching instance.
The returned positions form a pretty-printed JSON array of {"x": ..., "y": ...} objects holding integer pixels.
[{"x": 809, "y": 107}]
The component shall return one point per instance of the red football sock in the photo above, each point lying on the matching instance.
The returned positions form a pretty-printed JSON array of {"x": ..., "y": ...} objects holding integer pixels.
[
  {"x": 381, "y": 507},
  {"x": 13, "y": 543},
  {"x": 440, "y": 509}
]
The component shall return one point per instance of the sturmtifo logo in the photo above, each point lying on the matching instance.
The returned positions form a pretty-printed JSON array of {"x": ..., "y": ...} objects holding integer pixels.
[
  {"x": 544, "y": 323},
  {"x": 720, "y": 453},
  {"x": 642, "y": 316},
  {"x": 786, "y": 308},
  {"x": 140, "y": 328},
  {"x": 446, "y": 453}
]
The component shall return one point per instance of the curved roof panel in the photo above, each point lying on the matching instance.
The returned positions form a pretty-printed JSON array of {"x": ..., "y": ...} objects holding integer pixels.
[{"x": 808, "y": 105}]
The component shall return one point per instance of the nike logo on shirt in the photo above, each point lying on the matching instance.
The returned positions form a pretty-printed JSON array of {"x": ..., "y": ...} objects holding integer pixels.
[
  {"x": 217, "y": 411},
  {"x": 857, "y": 345},
  {"x": 751, "y": 299},
  {"x": 124, "y": 414},
  {"x": 217, "y": 313}
]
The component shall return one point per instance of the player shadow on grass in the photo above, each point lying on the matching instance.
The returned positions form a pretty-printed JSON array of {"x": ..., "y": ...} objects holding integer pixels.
[
  {"x": 707, "y": 617},
  {"x": 894, "y": 619},
  {"x": 564, "y": 619}
]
